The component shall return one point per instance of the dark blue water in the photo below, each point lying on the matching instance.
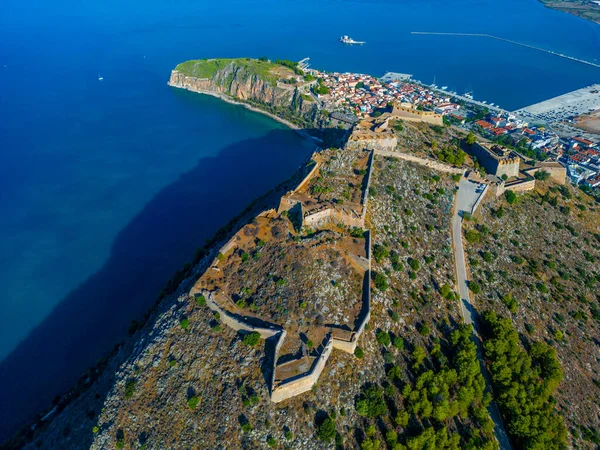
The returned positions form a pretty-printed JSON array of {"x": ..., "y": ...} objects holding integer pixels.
[{"x": 108, "y": 186}]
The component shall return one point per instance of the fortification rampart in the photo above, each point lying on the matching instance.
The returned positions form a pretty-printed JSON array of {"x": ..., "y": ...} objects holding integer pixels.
[
  {"x": 521, "y": 185},
  {"x": 358, "y": 142},
  {"x": 332, "y": 215},
  {"x": 344, "y": 340},
  {"x": 411, "y": 114},
  {"x": 436, "y": 165},
  {"x": 558, "y": 173},
  {"x": 237, "y": 323},
  {"x": 303, "y": 383},
  {"x": 365, "y": 194}
]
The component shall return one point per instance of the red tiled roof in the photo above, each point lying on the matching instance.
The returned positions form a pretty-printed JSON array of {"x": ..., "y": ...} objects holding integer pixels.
[
  {"x": 583, "y": 141},
  {"x": 484, "y": 124}
]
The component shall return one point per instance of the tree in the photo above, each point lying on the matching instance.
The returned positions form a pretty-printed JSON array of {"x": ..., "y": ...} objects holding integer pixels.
[
  {"x": 471, "y": 139},
  {"x": 419, "y": 355},
  {"x": 371, "y": 402}
]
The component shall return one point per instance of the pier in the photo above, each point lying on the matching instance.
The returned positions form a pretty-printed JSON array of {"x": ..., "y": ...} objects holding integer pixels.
[{"x": 539, "y": 49}]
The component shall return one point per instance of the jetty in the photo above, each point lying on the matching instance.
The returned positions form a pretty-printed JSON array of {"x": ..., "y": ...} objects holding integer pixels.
[{"x": 533, "y": 47}]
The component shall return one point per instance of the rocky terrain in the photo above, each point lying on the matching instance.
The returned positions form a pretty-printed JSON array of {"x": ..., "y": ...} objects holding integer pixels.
[
  {"x": 537, "y": 262},
  {"x": 271, "y": 87}
]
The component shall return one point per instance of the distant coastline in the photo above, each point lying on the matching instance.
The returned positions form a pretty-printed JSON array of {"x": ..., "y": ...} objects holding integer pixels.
[{"x": 585, "y": 9}]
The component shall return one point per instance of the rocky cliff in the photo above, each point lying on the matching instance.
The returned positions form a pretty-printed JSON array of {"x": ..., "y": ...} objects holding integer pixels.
[{"x": 272, "y": 88}]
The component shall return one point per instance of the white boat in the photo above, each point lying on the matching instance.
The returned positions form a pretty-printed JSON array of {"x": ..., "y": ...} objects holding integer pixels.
[
  {"x": 484, "y": 102},
  {"x": 100, "y": 78},
  {"x": 444, "y": 87},
  {"x": 491, "y": 104},
  {"x": 348, "y": 40}
]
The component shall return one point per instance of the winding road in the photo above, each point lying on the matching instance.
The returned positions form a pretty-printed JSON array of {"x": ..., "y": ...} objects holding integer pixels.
[{"x": 466, "y": 200}]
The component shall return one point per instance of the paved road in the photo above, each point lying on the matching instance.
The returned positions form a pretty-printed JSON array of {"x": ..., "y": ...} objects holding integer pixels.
[{"x": 466, "y": 198}]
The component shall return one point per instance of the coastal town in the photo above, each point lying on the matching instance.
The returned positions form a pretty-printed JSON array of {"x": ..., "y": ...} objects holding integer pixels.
[{"x": 352, "y": 97}]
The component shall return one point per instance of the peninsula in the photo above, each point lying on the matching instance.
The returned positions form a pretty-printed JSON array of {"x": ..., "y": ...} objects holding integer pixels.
[{"x": 423, "y": 283}]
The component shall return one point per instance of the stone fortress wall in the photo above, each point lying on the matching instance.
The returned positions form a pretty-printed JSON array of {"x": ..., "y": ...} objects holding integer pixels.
[
  {"x": 407, "y": 111},
  {"x": 343, "y": 340},
  {"x": 496, "y": 160}
]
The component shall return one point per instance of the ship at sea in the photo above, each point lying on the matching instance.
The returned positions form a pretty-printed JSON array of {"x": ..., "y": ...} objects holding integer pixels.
[{"x": 348, "y": 40}]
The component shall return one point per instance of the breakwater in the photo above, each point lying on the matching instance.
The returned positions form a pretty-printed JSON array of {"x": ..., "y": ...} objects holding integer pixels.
[{"x": 490, "y": 36}]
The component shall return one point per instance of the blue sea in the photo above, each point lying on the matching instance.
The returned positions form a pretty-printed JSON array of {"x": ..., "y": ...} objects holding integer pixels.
[{"x": 108, "y": 186}]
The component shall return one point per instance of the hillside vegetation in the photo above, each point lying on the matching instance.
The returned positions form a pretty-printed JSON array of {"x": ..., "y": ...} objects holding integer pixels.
[
  {"x": 537, "y": 261},
  {"x": 208, "y": 68}
]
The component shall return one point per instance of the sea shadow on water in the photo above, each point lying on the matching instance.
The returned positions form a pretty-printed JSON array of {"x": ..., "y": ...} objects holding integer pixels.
[{"x": 165, "y": 234}]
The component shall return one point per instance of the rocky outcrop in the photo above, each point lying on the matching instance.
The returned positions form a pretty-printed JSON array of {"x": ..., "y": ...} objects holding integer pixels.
[{"x": 236, "y": 82}]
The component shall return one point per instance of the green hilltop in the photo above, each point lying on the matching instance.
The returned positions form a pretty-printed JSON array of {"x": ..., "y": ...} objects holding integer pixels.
[{"x": 262, "y": 67}]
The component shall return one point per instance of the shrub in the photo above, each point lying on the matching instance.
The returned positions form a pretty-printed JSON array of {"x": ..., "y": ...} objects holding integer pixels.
[
  {"x": 542, "y": 175},
  {"x": 271, "y": 442},
  {"x": 424, "y": 330},
  {"x": 414, "y": 264},
  {"x": 359, "y": 353},
  {"x": 383, "y": 338},
  {"x": 310, "y": 344},
  {"x": 129, "y": 388},
  {"x": 193, "y": 402},
  {"x": 474, "y": 287},
  {"x": 380, "y": 252},
  {"x": 510, "y": 196},
  {"x": 510, "y": 303},
  {"x": 246, "y": 427},
  {"x": 398, "y": 343},
  {"x": 251, "y": 339},
  {"x": 326, "y": 429},
  {"x": 289, "y": 435},
  {"x": 241, "y": 303},
  {"x": 200, "y": 299},
  {"x": 472, "y": 236},
  {"x": 381, "y": 282},
  {"x": 446, "y": 291}
]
